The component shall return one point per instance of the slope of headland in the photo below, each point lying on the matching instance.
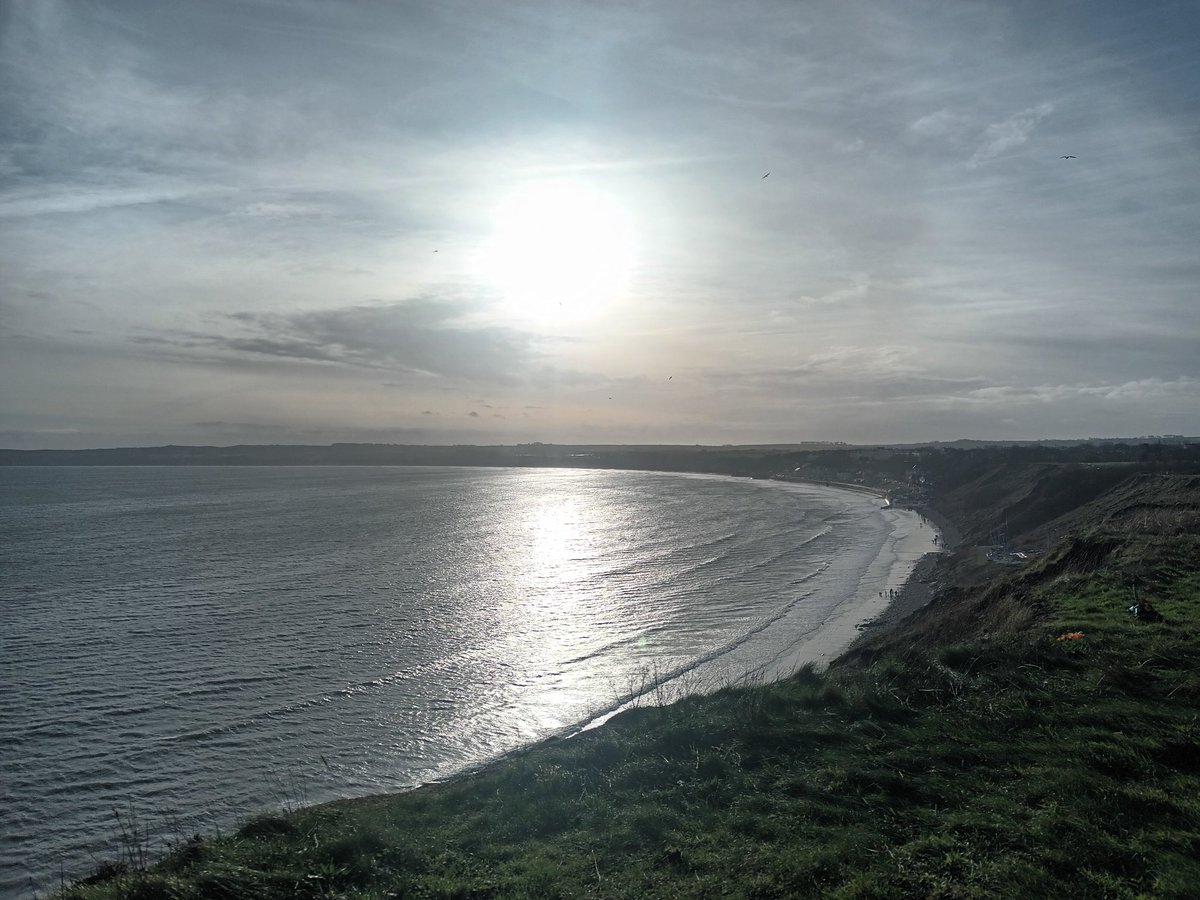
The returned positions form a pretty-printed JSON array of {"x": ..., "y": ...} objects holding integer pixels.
[{"x": 1023, "y": 734}]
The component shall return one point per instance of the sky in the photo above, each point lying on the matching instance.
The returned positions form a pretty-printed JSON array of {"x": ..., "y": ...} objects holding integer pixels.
[{"x": 288, "y": 221}]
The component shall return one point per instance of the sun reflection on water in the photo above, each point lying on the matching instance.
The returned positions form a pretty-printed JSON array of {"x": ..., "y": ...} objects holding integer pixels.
[
  {"x": 559, "y": 535},
  {"x": 557, "y": 609}
]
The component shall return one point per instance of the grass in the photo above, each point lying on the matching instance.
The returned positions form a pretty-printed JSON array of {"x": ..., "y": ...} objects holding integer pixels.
[{"x": 1017, "y": 766}]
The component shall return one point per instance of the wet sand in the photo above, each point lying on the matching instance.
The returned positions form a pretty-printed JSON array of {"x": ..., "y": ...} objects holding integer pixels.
[
  {"x": 888, "y": 591},
  {"x": 917, "y": 589},
  {"x": 916, "y": 593}
]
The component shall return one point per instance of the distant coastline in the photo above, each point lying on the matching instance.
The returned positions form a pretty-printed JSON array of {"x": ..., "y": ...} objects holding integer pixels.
[{"x": 747, "y": 458}]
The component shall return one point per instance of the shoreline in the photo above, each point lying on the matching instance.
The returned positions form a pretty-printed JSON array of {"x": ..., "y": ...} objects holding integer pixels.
[
  {"x": 888, "y": 592},
  {"x": 915, "y": 589},
  {"x": 869, "y": 604},
  {"x": 912, "y": 538},
  {"x": 911, "y": 593},
  {"x": 891, "y": 569},
  {"x": 915, "y": 594},
  {"x": 918, "y": 587}
]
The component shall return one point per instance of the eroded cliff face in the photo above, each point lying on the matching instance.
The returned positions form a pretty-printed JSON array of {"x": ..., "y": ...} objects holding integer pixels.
[
  {"x": 1142, "y": 530},
  {"x": 1020, "y": 498}
]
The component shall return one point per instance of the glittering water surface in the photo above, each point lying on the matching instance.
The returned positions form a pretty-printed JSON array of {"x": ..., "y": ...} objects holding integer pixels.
[{"x": 186, "y": 645}]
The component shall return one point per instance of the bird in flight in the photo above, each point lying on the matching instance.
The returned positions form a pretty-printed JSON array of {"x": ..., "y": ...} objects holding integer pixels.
[
  {"x": 1068, "y": 157},
  {"x": 764, "y": 176}
]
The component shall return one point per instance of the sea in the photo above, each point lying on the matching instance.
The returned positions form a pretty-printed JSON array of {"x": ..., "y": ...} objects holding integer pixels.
[{"x": 183, "y": 647}]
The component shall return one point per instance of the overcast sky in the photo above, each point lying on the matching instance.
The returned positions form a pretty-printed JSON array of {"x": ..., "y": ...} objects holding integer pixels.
[{"x": 279, "y": 221}]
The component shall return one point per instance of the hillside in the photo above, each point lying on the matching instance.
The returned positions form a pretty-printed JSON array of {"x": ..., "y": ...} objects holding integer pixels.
[{"x": 1126, "y": 535}]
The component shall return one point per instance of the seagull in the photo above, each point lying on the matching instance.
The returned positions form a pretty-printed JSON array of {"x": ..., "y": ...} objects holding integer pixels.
[{"x": 1068, "y": 157}]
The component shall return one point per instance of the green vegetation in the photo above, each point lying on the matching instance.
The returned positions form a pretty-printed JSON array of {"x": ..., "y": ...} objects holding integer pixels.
[{"x": 1015, "y": 764}]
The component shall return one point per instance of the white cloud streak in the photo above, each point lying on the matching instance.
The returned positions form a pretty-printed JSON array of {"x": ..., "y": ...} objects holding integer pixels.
[{"x": 1001, "y": 137}]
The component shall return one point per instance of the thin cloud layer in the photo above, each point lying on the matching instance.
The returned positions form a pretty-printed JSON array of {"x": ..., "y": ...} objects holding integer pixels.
[
  {"x": 1003, "y": 137},
  {"x": 421, "y": 337},
  {"x": 222, "y": 213}
]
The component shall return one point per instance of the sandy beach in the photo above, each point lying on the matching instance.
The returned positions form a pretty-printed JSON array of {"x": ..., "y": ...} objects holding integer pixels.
[
  {"x": 917, "y": 589},
  {"x": 889, "y": 590}
]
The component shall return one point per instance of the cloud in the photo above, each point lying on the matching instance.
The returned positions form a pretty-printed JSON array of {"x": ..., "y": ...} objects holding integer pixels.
[
  {"x": 282, "y": 211},
  {"x": 473, "y": 414},
  {"x": 1145, "y": 391},
  {"x": 940, "y": 124},
  {"x": 859, "y": 287},
  {"x": 424, "y": 336},
  {"x": 82, "y": 198},
  {"x": 847, "y": 364},
  {"x": 1151, "y": 389},
  {"x": 1014, "y": 131},
  {"x": 245, "y": 427},
  {"x": 289, "y": 349}
]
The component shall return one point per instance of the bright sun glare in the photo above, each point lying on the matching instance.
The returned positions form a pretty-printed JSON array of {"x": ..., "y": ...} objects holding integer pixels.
[{"x": 560, "y": 250}]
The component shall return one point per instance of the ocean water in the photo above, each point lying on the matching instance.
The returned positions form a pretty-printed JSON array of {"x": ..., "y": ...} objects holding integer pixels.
[{"x": 180, "y": 647}]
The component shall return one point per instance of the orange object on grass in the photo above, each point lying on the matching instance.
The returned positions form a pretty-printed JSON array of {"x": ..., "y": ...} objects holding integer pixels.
[{"x": 1071, "y": 636}]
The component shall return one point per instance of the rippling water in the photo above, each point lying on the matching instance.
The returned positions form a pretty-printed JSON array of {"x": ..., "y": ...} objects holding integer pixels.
[{"x": 186, "y": 645}]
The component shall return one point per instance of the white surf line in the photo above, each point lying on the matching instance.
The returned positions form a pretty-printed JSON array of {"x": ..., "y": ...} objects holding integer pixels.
[{"x": 912, "y": 537}]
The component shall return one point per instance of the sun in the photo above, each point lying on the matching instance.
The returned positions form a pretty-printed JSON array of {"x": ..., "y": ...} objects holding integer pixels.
[{"x": 559, "y": 250}]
